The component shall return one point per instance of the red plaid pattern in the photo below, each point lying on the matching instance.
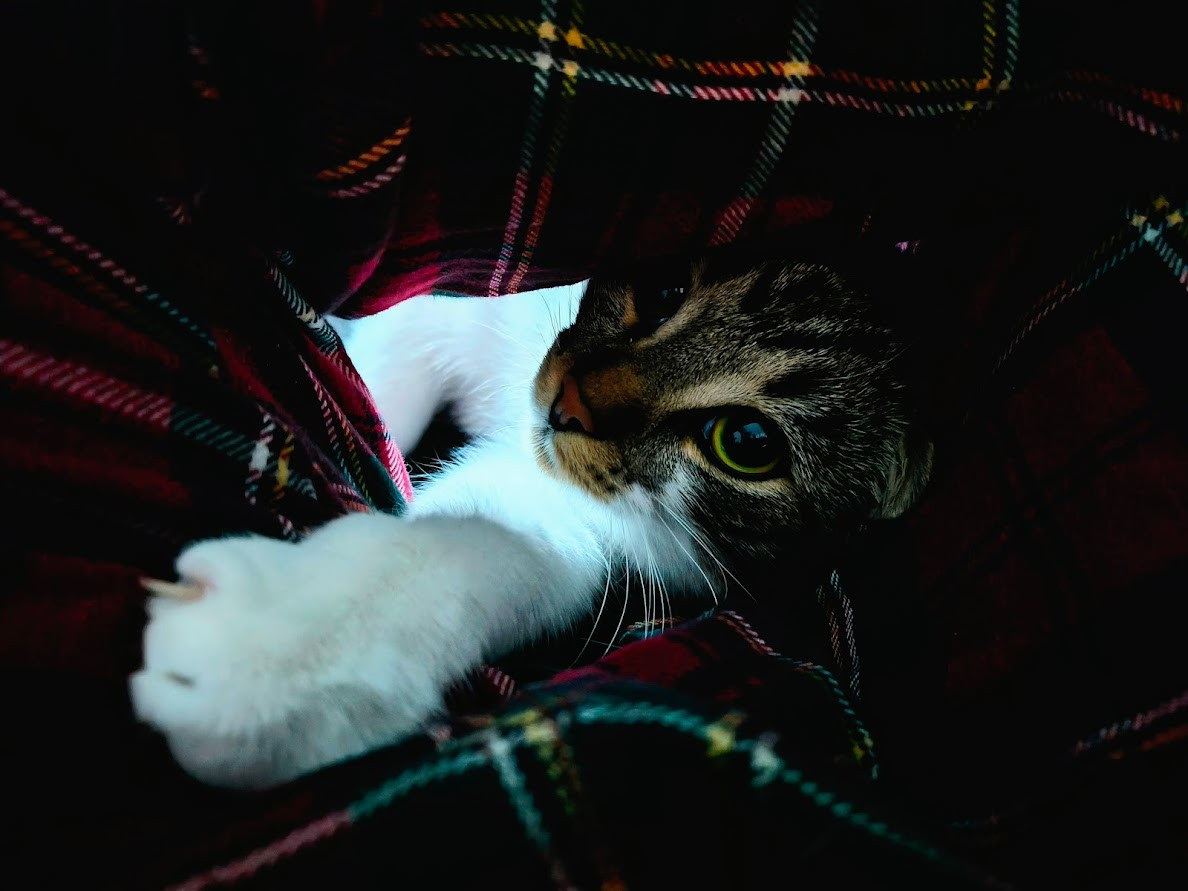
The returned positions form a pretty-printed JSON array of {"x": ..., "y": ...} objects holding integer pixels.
[{"x": 186, "y": 185}]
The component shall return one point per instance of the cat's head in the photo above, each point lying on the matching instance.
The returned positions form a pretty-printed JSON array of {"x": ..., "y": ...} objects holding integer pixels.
[{"x": 755, "y": 401}]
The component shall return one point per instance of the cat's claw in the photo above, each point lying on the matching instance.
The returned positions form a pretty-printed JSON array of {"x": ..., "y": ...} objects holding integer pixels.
[
  {"x": 183, "y": 590},
  {"x": 266, "y": 661}
]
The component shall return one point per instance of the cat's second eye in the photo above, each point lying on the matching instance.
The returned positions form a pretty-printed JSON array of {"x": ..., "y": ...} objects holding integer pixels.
[
  {"x": 744, "y": 443},
  {"x": 655, "y": 305},
  {"x": 668, "y": 300}
]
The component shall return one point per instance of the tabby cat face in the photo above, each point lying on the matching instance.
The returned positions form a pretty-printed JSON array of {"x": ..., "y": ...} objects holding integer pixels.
[{"x": 755, "y": 402}]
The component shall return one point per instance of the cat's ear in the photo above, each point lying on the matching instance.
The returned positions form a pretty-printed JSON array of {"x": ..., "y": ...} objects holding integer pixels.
[{"x": 907, "y": 474}]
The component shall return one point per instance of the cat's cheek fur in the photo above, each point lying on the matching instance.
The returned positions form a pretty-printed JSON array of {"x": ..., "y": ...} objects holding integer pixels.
[{"x": 909, "y": 469}]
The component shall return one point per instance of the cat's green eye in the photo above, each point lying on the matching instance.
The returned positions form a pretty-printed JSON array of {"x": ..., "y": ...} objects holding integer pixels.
[{"x": 745, "y": 444}]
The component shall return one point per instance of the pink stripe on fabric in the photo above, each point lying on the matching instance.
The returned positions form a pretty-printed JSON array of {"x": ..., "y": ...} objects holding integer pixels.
[
  {"x": 514, "y": 218},
  {"x": 542, "y": 205},
  {"x": 1131, "y": 725},
  {"x": 246, "y": 867},
  {"x": 380, "y": 179},
  {"x": 83, "y": 384}
]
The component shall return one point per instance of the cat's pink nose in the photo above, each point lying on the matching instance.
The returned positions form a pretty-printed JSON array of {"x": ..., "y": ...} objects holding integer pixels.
[{"x": 569, "y": 413}]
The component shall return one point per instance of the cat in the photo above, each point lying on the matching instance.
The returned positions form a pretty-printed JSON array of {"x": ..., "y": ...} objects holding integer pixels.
[{"x": 687, "y": 421}]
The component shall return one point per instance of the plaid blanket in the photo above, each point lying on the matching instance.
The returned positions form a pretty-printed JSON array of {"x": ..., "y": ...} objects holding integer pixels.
[{"x": 185, "y": 187}]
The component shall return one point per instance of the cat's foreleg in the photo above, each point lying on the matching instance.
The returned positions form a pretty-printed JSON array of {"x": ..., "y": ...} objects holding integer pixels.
[{"x": 295, "y": 655}]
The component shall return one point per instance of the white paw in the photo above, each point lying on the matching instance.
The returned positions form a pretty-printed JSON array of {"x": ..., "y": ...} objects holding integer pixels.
[{"x": 293, "y": 656}]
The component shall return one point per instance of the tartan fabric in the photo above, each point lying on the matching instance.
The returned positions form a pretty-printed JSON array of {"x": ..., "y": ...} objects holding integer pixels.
[
  {"x": 535, "y": 794},
  {"x": 185, "y": 187}
]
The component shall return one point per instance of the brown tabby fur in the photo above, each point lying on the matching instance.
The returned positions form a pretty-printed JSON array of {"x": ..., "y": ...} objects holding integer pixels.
[{"x": 793, "y": 340}]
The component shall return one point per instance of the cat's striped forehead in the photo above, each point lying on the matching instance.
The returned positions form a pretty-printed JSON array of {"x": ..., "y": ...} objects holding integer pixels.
[
  {"x": 766, "y": 296},
  {"x": 754, "y": 335}
]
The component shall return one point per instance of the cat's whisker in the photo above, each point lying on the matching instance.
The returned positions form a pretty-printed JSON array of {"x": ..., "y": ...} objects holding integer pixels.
[
  {"x": 626, "y": 599},
  {"x": 504, "y": 388},
  {"x": 505, "y": 334},
  {"x": 655, "y": 579},
  {"x": 502, "y": 429},
  {"x": 643, "y": 591},
  {"x": 657, "y": 605},
  {"x": 516, "y": 382},
  {"x": 650, "y": 583},
  {"x": 723, "y": 571},
  {"x": 658, "y": 588},
  {"x": 677, "y": 539},
  {"x": 649, "y": 599},
  {"x": 433, "y": 466},
  {"x": 634, "y": 566},
  {"x": 665, "y": 601},
  {"x": 597, "y": 618},
  {"x": 554, "y": 314},
  {"x": 708, "y": 548}
]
